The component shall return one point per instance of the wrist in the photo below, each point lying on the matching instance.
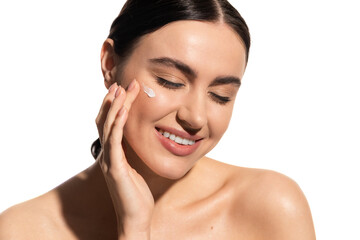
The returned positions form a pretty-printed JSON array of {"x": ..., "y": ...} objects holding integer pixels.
[
  {"x": 131, "y": 231},
  {"x": 135, "y": 236},
  {"x": 131, "y": 234}
]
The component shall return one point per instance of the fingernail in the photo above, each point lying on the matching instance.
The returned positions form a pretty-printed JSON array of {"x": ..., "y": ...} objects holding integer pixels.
[
  {"x": 132, "y": 85},
  {"x": 118, "y": 91},
  {"x": 112, "y": 86}
]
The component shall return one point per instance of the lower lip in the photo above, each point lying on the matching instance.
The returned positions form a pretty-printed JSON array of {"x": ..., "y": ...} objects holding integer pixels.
[{"x": 177, "y": 149}]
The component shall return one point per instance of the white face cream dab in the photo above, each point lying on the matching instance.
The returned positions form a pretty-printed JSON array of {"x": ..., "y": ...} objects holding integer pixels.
[{"x": 148, "y": 91}]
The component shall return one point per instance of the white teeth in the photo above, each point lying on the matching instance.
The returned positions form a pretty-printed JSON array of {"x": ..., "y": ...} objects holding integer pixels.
[
  {"x": 172, "y": 137},
  {"x": 177, "y": 139},
  {"x": 185, "y": 141}
]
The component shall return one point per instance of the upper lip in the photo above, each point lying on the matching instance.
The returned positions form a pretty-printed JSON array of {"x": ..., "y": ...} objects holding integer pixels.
[{"x": 179, "y": 133}]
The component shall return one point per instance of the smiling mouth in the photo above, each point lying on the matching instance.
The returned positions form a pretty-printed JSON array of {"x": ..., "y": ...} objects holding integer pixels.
[{"x": 177, "y": 139}]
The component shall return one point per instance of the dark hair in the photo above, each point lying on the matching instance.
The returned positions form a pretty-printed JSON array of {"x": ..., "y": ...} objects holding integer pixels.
[{"x": 140, "y": 17}]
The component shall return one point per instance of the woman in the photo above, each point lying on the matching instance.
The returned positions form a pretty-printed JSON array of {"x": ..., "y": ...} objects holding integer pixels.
[{"x": 181, "y": 63}]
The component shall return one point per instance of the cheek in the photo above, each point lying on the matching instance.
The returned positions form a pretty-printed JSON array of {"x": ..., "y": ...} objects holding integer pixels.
[
  {"x": 219, "y": 119},
  {"x": 145, "y": 112}
]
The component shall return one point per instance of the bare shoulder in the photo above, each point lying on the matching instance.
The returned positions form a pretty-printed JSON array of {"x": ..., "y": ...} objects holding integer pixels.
[
  {"x": 265, "y": 204},
  {"x": 33, "y": 219},
  {"x": 274, "y": 203}
]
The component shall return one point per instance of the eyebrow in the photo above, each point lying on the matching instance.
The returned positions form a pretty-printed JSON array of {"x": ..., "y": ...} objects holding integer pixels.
[
  {"x": 170, "y": 62},
  {"x": 226, "y": 80},
  {"x": 188, "y": 71}
]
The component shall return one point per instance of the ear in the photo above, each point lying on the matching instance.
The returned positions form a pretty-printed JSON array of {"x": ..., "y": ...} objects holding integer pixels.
[{"x": 108, "y": 62}]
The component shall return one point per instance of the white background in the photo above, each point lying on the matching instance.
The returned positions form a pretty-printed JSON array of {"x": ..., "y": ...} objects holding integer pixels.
[{"x": 297, "y": 111}]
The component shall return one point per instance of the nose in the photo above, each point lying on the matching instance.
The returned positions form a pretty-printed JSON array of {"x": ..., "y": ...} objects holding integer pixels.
[{"x": 191, "y": 115}]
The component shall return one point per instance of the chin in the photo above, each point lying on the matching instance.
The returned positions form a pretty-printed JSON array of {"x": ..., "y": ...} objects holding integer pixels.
[
  {"x": 170, "y": 171},
  {"x": 168, "y": 166}
]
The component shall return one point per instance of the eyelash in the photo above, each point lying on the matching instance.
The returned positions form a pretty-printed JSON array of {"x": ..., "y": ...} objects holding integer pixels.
[
  {"x": 173, "y": 86},
  {"x": 219, "y": 99},
  {"x": 167, "y": 84}
]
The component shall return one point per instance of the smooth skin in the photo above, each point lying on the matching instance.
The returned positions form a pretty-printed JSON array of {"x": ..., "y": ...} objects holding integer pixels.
[{"x": 137, "y": 189}]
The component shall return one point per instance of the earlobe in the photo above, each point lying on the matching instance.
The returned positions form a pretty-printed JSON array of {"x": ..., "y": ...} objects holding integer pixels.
[{"x": 108, "y": 62}]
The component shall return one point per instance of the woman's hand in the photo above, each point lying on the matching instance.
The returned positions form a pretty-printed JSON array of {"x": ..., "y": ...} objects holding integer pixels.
[{"x": 131, "y": 196}]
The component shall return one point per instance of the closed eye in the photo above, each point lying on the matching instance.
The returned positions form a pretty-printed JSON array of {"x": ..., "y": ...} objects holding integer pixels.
[
  {"x": 168, "y": 84},
  {"x": 219, "y": 99}
]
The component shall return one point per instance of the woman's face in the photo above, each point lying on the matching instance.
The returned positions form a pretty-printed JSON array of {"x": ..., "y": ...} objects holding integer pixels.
[{"x": 194, "y": 69}]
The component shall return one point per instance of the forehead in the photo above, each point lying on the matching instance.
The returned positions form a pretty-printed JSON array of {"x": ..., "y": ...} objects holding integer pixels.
[{"x": 209, "y": 48}]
